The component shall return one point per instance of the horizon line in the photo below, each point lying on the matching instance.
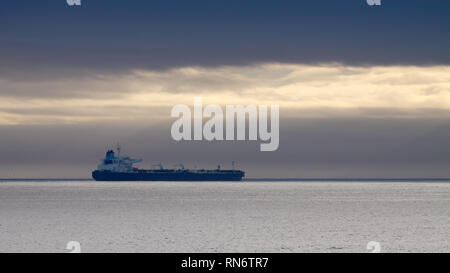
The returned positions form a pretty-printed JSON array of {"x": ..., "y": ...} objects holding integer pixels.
[{"x": 254, "y": 179}]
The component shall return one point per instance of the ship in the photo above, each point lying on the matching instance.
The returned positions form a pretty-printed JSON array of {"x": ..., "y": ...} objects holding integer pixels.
[{"x": 120, "y": 168}]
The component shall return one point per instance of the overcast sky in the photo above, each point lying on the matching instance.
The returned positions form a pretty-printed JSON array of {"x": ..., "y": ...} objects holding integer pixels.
[{"x": 364, "y": 91}]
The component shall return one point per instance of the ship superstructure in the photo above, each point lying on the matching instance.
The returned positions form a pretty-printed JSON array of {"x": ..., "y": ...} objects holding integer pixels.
[{"x": 117, "y": 163}]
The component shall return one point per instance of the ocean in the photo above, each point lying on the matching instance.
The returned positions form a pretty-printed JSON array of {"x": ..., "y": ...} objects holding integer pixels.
[{"x": 269, "y": 216}]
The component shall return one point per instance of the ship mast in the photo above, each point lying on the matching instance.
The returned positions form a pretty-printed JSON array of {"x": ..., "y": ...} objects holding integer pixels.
[{"x": 118, "y": 154}]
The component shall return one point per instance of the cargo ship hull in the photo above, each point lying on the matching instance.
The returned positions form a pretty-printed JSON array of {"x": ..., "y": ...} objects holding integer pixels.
[
  {"x": 168, "y": 176},
  {"x": 120, "y": 168}
]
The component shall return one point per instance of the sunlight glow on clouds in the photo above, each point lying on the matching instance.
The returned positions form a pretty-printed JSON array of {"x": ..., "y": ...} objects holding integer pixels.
[{"x": 328, "y": 90}]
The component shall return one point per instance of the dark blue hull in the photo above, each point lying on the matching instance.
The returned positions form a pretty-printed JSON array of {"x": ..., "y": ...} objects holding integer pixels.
[{"x": 224, "y": 175}]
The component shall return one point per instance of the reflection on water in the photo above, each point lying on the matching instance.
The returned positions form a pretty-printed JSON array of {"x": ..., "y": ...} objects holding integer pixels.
[{"x": 224, "y": 217}]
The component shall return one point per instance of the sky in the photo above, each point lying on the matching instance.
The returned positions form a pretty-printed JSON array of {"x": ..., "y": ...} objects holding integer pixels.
[{"x": 364, "y": 91}]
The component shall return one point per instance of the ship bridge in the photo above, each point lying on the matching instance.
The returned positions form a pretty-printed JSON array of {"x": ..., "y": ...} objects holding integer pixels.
[{"x": 117, "y": 163}]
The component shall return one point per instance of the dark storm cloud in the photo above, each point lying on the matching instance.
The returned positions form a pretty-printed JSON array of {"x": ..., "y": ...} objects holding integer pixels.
[{"x": 113, "y": 35}]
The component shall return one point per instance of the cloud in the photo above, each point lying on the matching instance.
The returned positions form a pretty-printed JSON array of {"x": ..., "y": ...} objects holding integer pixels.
[
  {"x": 326, "y": 90},
  {"x": 363, "y": 91},
  {"x": 117, "y": 36}
]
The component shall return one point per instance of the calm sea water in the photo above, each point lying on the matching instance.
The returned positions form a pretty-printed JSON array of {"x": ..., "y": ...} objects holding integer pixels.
[{"x": 224, "y": 217}]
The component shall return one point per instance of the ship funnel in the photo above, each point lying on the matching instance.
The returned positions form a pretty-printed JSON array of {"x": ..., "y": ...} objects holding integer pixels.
[{"x": 109, "y": 155}]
